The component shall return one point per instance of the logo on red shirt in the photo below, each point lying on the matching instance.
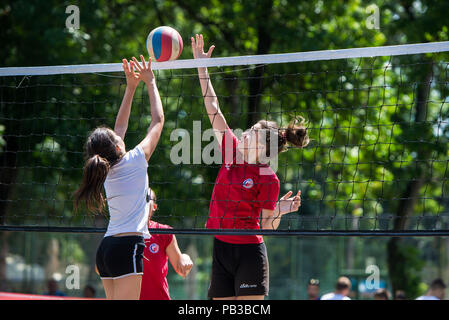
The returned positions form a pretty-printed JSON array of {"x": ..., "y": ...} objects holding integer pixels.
[
  {"x": 248, "y": 183},
  {"x": 154, "y": 248}
]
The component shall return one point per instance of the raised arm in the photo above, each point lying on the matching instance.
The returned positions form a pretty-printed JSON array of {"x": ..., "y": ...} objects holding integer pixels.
[
  {"x": 272, "y": 218},
  {"x": 151, "y": 139},
  {"x": 132, "y": 81},
  {"x": 216, "y": 118},
  {"x": 181, "y": 262}
]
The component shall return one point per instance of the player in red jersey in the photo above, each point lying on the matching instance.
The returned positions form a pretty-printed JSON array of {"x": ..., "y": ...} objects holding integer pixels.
[
  {"x": 245, "y": 195},
  {"x": 158, "y": 250}
]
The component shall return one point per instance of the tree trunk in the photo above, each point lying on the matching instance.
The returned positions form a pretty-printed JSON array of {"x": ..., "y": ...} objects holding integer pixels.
[
  {"x": 398, "y": 263},
  {"x": 3, "y": 254},
  {"x": 8, "y": 175},
  {"x": 255, "y": 82},
  {"x": 232, "y": 103},
  {"x": 350, "y": 246},
  {"x": 52, "y": 266}
]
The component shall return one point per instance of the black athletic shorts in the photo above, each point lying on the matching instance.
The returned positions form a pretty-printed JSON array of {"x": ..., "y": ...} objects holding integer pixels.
[
  {"x": 120, "y": 256},
  {"x": 239, "y": 270}
]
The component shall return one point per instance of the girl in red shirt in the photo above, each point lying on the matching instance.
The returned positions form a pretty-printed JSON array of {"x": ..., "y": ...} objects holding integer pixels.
[
  {"x": 245, "y": 195},
  {"x": 158, "y": 250}
]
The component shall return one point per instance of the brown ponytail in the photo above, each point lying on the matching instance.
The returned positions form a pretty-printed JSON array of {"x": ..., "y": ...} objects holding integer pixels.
[
  {"x": 91, "y": 190},
  {"x": 102, "y": 155},
  {"x": 295, "y": 134}
]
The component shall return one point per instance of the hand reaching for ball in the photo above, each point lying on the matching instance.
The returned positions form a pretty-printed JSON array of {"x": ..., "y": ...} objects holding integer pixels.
[
  {"x": 132, "y": 79},
  {"x": 198, "y": 48},
  {"x": 144, "y": 71}
]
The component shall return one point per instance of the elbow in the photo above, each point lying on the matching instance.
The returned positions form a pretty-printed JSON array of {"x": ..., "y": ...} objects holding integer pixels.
[{"x": 159, "y": 120}]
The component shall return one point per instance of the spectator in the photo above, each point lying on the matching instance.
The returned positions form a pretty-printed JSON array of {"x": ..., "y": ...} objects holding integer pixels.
[
  {"x": 435, "y": 292},
  {"x": 313, "y": 289},
  {"x": 89, "y": 291},
  {"x": 400, "y": 295},
  {"x": 53, "y": 289},
  {"x": 341, "y": 292},
  {"x": 382, "y": 294},
  {"x": 160, "y": 249}
]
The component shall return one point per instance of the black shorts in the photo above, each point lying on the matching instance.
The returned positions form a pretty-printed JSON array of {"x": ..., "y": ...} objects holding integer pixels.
[
  {"x": 120, "y": 256},
  {"x": 239, "y": 270}
]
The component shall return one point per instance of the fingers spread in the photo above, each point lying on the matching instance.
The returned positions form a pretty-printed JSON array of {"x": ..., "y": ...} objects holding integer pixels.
[
  {"x": 125, "y": 65},
  {"x": 198, "y": 43},
  {"x": 209, "y": 53},
  {"x": 288, "y": 194},
  {"x": 143, "y": 61},
  {"x": 138, "y": 67}
]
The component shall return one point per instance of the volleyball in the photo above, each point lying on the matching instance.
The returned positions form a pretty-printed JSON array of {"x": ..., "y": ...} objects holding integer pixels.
[{"x": 164, "y": 44}]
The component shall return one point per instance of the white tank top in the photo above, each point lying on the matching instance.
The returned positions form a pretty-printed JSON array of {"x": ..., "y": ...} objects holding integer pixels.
[{"x": 126, "y": 189}]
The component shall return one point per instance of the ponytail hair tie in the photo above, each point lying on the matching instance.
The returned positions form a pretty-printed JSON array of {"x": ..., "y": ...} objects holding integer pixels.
[{"x": 283, "y": 137}]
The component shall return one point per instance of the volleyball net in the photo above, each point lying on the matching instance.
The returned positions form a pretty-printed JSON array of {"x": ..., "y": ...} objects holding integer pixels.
[{"x": 377, "y": 162}]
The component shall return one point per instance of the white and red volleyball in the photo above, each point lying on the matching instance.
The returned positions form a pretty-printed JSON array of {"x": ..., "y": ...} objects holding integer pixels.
[{"x": 164, "y": 44}]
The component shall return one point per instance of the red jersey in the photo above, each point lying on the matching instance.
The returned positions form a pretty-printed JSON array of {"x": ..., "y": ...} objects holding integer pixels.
[
  {"x": 155, "y": 265},
  {"x": 240, "y": 193}
]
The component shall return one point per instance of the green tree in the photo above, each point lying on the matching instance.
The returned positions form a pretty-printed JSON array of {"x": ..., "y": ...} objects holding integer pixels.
[{"x": 414, "y": 22}]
